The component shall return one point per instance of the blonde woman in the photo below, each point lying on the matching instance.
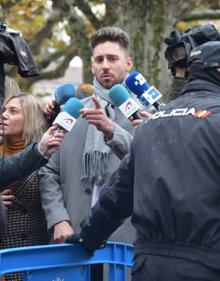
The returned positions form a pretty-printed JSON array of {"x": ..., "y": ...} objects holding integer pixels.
[{"x": 23, "y": 123}]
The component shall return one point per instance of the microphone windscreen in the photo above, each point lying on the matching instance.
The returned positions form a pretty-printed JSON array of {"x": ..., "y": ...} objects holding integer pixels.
[
  {"x": 136, "y": 83},
  {"x": 118, "y": 94},
  {"x": 73, "y": 106},
  {"x": 64, "y": 92}
]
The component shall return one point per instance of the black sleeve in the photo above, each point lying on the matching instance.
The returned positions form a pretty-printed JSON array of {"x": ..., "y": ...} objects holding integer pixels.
[
  {"x": 114, "y": 205},
  {"x": 3, "y": 217},
  {"x": 20, "y": 165}
]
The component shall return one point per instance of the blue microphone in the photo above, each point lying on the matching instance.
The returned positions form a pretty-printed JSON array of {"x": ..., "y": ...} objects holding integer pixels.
[
  {"x": 147, "y": 94},
  {"x": 67, "y": 117},
  {"x": 62, "y": 94},
  {"x": 121, "y": 98}
]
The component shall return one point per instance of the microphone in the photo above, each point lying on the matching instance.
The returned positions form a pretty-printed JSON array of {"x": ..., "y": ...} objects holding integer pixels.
[
  {"x": 147, "y": 94},
  {"x": 71, "y": 111},
  {"x": 121, "y": 98},
  {"x": 62, "y": 94}
]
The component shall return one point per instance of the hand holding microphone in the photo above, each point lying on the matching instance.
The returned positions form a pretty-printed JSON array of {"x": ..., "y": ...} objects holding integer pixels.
[
  {"x": 63, "y": 123},
  {"x": 50, "y": 141},
  {"x": 67, "y": 117},
  {"x": 62, "y": 94}
]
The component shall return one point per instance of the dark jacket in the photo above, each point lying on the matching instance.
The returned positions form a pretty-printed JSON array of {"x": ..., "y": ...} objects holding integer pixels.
[
  {"x": 170, "y": 182},
  {"x": 14, "y": 50},
  {"x": 20, "y": 165}
]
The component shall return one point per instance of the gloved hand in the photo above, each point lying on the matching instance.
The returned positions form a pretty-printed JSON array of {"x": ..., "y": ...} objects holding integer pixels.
[
  {"x": 75, "y": 239},
  {"x": 78, "y": 239}
]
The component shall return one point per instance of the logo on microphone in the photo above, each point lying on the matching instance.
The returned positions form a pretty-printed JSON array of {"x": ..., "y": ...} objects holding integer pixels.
[
  {"x": 68, "y": 120},
  {"x": 129, "y": 107},
  {"x": 140, "y": 80},
  {"x": 150, "y": 96},
  {"x": 65, "y": 120}
]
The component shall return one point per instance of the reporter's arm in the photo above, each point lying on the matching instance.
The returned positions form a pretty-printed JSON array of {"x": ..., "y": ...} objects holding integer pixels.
[
  {"x": 20, "y": 165},
  {"x": 34, "y": 156}
]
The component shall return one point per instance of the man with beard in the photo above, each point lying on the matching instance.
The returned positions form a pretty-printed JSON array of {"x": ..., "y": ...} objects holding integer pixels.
[{"x": 71, "y": 181}]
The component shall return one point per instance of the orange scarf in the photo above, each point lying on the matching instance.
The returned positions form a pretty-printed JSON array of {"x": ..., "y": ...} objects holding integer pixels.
[{"x": 11, "y": 147}]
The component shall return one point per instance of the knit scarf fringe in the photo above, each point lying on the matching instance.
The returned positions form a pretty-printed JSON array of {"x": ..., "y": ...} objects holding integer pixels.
[{"x": 94, "y": 166}]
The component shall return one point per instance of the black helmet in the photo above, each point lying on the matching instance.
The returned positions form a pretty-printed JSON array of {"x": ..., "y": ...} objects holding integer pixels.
[{"x": 208, "y": 54}]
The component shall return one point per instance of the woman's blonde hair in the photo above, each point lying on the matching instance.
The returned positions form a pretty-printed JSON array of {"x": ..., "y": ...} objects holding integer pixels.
[
  {"x": 11, "y": 88},
  {"x": 35, "y": 123}
]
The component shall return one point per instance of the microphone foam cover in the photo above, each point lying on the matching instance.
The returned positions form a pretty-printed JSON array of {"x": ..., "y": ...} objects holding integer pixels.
[
  {"x": 73, "y": 106},
  {"x": 118, "y": 94},
  {"x": 64, "y": 92},
  {"x": 136, "y": 83}
]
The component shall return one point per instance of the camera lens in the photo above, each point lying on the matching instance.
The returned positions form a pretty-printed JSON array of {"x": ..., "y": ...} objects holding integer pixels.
[{"x": 179, "y": 53}]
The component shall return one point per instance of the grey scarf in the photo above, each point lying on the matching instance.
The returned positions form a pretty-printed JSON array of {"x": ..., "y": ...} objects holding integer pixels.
[{"x": 96, "y": 152}]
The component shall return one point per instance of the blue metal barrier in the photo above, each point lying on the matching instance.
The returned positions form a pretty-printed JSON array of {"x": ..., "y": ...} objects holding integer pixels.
[{"x": 65, "y": 262}]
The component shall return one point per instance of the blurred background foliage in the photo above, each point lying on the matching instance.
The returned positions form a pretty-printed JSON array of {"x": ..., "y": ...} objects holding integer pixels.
[{"x": 58, "y": 30}]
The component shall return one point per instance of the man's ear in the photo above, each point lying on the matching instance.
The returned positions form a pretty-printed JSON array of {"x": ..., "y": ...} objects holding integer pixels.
[
  {"x": 92, "y": 65},
  {"x": 129, "y": 64}
]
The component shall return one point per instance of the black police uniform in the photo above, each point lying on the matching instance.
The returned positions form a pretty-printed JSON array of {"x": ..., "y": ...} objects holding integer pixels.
[{"x": 170, "y": 184}]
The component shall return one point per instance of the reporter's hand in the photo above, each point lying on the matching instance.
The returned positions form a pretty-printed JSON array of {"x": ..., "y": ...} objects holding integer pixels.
[
  {"x": 50, "y": 141},
  {"x": 49, "y": 106},
  {"x": 7, "y": 198},
  {"x": 61, "y": 232},
  {"x": 138, "y": 122},
  {"x": 97, "y": 117}
]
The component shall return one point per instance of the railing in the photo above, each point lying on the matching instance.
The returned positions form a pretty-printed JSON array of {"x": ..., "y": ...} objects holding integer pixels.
[{"x": 66, "y": 262}]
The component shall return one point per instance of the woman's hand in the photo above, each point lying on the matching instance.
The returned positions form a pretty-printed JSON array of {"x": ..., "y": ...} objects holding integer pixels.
[{"x": 7, "y": 198}]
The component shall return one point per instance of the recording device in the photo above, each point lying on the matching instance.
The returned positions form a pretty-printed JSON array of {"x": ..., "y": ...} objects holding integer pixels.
[
  {"x": 14, "y": 50},
  {"x": 71, "y": 111},
  {"x": 180, "y": 44},
  {"x": 121, "y": 98},
  {"x": 62, "y": 94},
  {"x": 4, "y": 27},
  {"x": 147, "y": 94}
]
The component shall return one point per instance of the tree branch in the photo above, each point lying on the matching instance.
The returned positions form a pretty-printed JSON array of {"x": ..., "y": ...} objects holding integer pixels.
[
  {"x": 52, "y": 57},
  {"x": 46, "y": 30},
  {"x": 201, "y": 14},
  {"x": 84, "y": 7}
]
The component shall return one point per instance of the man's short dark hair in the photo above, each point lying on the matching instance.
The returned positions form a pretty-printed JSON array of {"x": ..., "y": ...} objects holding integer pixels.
[{"x": 112, "y": 34}]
